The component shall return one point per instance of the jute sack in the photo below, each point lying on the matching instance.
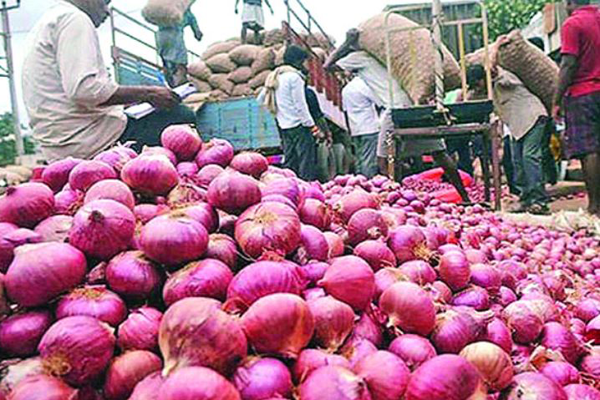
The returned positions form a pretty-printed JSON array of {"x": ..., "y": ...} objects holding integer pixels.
[
  {"x": 478, "y": 56},
  {"x": 244, "y": 55},
  {"x": 199, "y": 70},
  {"x": 220, "y": 82},
  {"x": 413, "y": 62},
  {"x": 259, "y": 80},
  {"x": 273, "y": 37},
  {"x": 166, "y": 12},
  {"x": 320, "y": 53},
  {"x": 241, "y": 75},
  {"x": 537, "y": 71},
  {"x": 241, "y": 90},
  {"x": 218, "y": 95},
  {"x": 200, "y": 85},
  {"x": 265, "y": 60},
  {"x": 220, "y": 48},
  {"x": 221, "y": 64},
  {"x": 279, "y": 56}
]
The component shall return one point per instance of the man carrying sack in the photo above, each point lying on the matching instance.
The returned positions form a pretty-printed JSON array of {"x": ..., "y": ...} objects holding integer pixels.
[
  {"x": 253, "y": 18},
  {"x": 578, "y": 93},
  {"x": 285, "y": 97}
]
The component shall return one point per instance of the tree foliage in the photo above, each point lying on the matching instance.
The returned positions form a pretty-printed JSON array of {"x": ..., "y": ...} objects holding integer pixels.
[
  {"x": 507, "y": 15},
  {"x": 8, "y": 148}
]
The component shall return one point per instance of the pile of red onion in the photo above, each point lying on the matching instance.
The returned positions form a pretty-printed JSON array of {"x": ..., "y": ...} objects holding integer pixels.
[{"x": 190, "y": 272}]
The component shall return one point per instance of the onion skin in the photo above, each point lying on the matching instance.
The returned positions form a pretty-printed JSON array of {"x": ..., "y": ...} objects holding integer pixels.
[
  {"x": 86, "y": 173},
  {"x": 152, "y": 175},
  {"x": 279, "y": 324},
  {"x": 217, "y": 151},
  {"x": 207, "y": 174},
  {"x": 41, "y": 272},
  {"x": 366, "y": 224},
  {"x": 334, "y": 383},
  {"x": 195, "y": 332},
  {"x": 140, "y": 330},
  {"x": 250, "y": 163},
  {"x": 126, "y": 371},
  {"x": 369, "y": 327},
  {"x": 93, "y": 301},
  {"x": 557, "y": 337},
  {"x": 336, "y": 245},
  {"x": 581, "y": 392},
  {"x": 14, "y": 371},
  {"x": 592, "y": 331},
  {"x": 590, "y": 364},
  {"x": 386, "y": 375},
  {"x": 206, "y": 278},
  {"x": 111, "y": 189},
  {"x": 493, "y": 363},
  {"x": 78, "y": 349},
  {"x": 20, "y": 334},
  {"x": 312, "y": 359},
  {"x": 376, "y": 253},
  {"x": 414, "y": 350},
  {"x": 447, "y": 377},
  {"x": 197, "y": 383},
  {"x": 587, "y": 309},
  {"x": 498, "y": 333},
  {"x": 182, "y": 140},
  {"x": 148, "y": 388},
  {"x": 55, "y": 228},
  {"x": 525, "y": 323},
  {"x": 409, "y": 308},
  {"x": 43, "y": 387},
  {"x": 56, "y": 175},
  {"x": 351, "y": 280},
  {"x": 223, "y": 248},
  {"x": 13, "y": 239},
  {"x": 535, "y": 386},
  {"x": 562, "y": 373},
  {"x": 233, "y": 192},
  {"x": 418, "y": 272},
  {"x": 353, "y": 202},
  {"x": 455, "y": 270},
  {"x": 27, "y": 204},
  {"x": 259, "y": 379},
  {"x": 133, "y": 276},
  {"x": 474, "y": 297},
  {"x": 316, "y": 213},
  {"x": 102, "y": 229},
  {"x": 334, "y": 321}
]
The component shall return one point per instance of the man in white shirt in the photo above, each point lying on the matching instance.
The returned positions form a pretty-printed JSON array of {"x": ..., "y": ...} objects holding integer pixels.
[
  {"x": 360, "y": 104},
  {"x": 73, "y": 104},
  {"x": 284, "y": 95}
]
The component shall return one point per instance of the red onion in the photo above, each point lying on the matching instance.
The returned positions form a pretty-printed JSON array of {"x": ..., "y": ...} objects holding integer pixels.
[
  {"x": 68, "y": 201},
  {"x": 259, "y": 379},
  {"x": 353, "y": 202},
  {"x": 278, "y": 198},
  {"x": 222, "y": 247},
  {"x": 447, "y": 377},
  {"x": 41, "y": 272},
  {"x": 356, "y": 349},
  {"x": 441, "y": 292},
  {"x": 315, "y": 213},
  {"x": 312, "y": 359},
  {"x": 133, "y": 276},
  {"x": 6, "y": 248},
  {"x": 592, "y": 331},
  {"x": 413, "y": 350},
  {"x": 55, "y": 228},
  {"x": 208, "y": 174},
  {"x": 525, "y": 323},
  {"x": 160, "y": 151},
  {"x": 313, "y": 294},
  {"x": 140, "y": 330},
  {"x": 493, "y": 363},
  {"x": 486, "y": 276},
  {"x": 127, "y": 370},
  {"x": 93, "y": 301},
  {"x": 56, "y": 175},
  {"x": 313, "y": 247},
  {"x": 186, "y": 193},
  {"x": 188, "y": 169},
  {"x": 117, "y": 157},
  {"x": 562, "y": 373},
  {"x": 203, "y": 213},
  {"x": 102, "y": 229},
  {"x": 20, "y": 334},
  {"x": 506, "y": 296},
  {"x": 286, "y": 187},
  {"x": 455, "y": 270},
  {"x": 250, "y": 163},
  {"x": 535, "y": 386},
  {"x": 336, "y": 245},
  {"x": 557, "y": 337},
  {"x": 172, "y": 240},
  {"x": 216, "y": 151},
  {"x": 197, "y": 383},
  {"x": 42, "y": 387},
  {"x": 181, "y": 140},
  {"x": 233, "y": 192},
  {"x": 369, "y": 327},
  {"x": 150, "y": 175},
  {"x": 590, "y": 364},
  {"x": 13, "y": 239},
  {"x": 206, "y": 278},
  {"x": 4, "y": 306},
  {"x": 418, "y": 272},
  {"x": 587, "y": 309},
  {"x": 195, "y": 332},
  {"x": 145, "y": 212},
  {"x": 14, "y": 371},
  {"x": 455, "y": 329},
  {"x": 366, "y": 224},
  {"x": 334, "y": 321},
  {"x": 86, "y": 173},
  {"x": 334, "y": 383},
  {"x": 376, "y": 253},
  {"x": 227, "y": 223},
  {"x": 409, "y": 308},
  {"x": 386, "y": 375},
  {"x": 261, "y": 279},
  {"x": 408, "y": 243},
  {"x": 78, "y": 349},
  {"x": 498, "y": 333},
  {"x": 268, "y": 227},
  {"x": 280, "y": 324},
  {"x": 581, "y": 392},
  {"x": 474, "y": 297},
  {"x": 148, "y": 388},
  {"x": 111, "y": 189},
  {"x": 315, "y": 271},
  {"x": 351, "y": 280},
  {"x": 27, "y": 204}
]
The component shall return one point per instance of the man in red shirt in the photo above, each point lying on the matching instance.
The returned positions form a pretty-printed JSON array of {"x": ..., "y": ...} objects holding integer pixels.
[{"x": 578, "y": 92}]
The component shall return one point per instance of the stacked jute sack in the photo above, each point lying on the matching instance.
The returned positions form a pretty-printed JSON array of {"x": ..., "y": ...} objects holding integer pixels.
[
  {"x": 166, "y": 12},
  {"x": 231, "y": 69},
  {"x": 412, "y": 50},
  {"x": 537, "y": 71}
]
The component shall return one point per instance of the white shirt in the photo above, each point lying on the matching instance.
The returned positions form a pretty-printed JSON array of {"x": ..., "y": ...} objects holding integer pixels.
[
  {"x": 64, "y": 83},
  {"x": 375, "y": 75},
  {"x": 292, "y": 108},
  {"x": 359, "y": 102}
]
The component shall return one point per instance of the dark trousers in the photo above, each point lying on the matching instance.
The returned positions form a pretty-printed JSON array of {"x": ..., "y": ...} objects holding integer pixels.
[
  {"x": 528, "y": 156},
  {"x": 462, "y": 146},
  {"x": 366, "y": 154},
  {"x": 300, "y": 151},
  {"x": 146, "y": 131},
  {"x": 509, "y": 168}
]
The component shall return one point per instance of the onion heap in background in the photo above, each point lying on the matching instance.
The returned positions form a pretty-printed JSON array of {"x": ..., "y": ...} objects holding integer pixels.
[{"x": 189, "y": 272}]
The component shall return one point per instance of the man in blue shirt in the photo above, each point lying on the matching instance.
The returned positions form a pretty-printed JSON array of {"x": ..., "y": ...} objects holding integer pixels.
[{"x": 253, "y": 18}]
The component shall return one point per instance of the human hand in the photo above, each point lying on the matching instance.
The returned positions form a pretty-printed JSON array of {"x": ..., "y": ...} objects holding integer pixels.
[
  {"x": 198, "y": 35},
  {"x": 236, "y": 10},
  {"x": 163, "y": 97}
]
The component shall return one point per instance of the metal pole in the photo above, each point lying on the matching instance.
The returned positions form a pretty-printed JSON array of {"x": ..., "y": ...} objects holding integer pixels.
[
  {"x": 11, "y": 80},
  {"x": 439, "y": 62}
]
